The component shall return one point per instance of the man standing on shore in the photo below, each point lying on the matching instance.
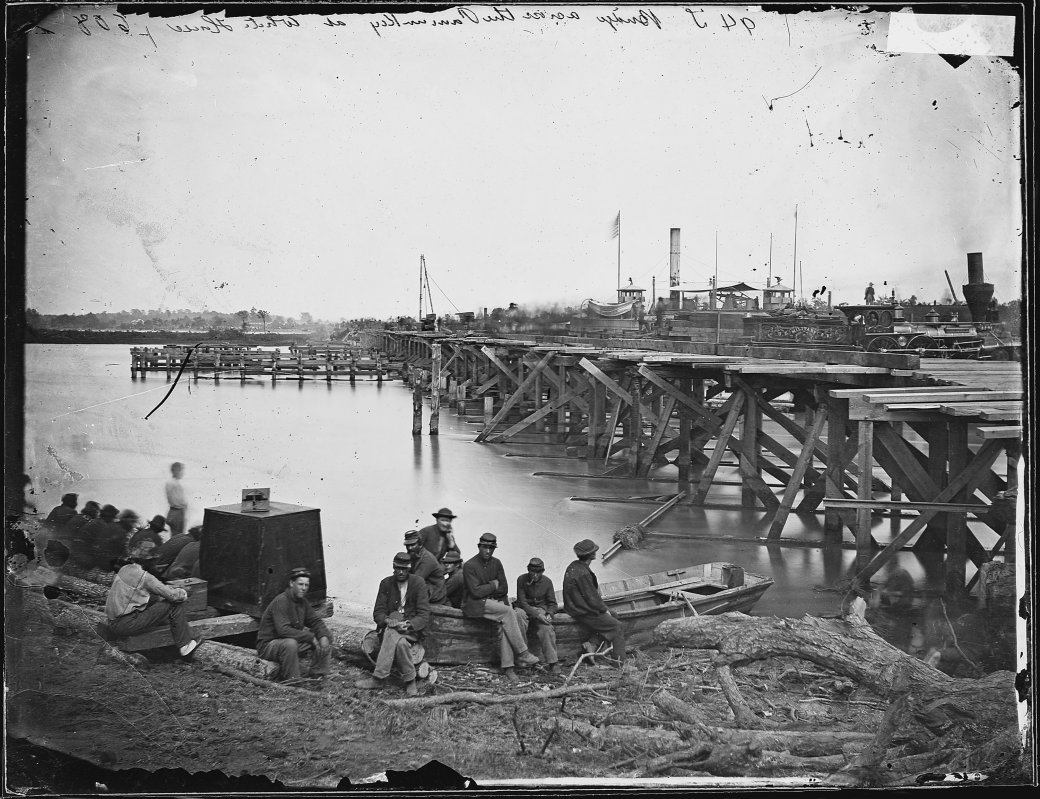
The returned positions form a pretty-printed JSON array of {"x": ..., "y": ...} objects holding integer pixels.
[
  {"x": 487, "y": 597},
  {"x": 438, "y": 537},
  {"x": 175, "y": 497},
  {"x": 583, "y": 603}
]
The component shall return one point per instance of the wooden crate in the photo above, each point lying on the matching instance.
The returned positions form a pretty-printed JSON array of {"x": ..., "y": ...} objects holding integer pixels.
[{"x": 197, "y": 592}]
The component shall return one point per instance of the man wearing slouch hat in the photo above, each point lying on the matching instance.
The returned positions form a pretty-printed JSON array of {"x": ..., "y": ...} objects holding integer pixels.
[
  {"x": 401, "y": 614},
  {"x": 486, "y": 596},
  {"x": 583, "y": 602},
  {"x": 438, "y": 537}
]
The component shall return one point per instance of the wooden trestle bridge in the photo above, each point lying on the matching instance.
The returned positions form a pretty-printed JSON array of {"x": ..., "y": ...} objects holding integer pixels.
[{"x": 938, "y": 439}]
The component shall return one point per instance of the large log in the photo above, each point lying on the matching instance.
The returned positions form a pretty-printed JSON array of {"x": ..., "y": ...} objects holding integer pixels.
[
  {"x": 848, "y": 646},
  {"x": 88, "y": 620},
  {"x": 803, "y": 743}
]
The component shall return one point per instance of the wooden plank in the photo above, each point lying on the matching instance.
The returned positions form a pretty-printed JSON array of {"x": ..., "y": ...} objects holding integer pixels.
[
  {"x": 801, "y": 464},
  {"x": 1000, "y": 416},
  {"x": 1003, "y": 431},
  {"x": 883, "y": 504},
  {"x": 943, "y": 396},
  {"x": 976, "y": 408},
  {"x": 215, "y": 627},
  {"x": 850, "y": 393}
]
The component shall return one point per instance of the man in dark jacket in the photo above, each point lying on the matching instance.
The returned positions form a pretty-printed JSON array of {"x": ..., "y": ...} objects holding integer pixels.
[
  {"x": 100, "y": 542},
  {"x": 454, "y": 587},
  {"x": 486, "y": 596},
  {"x": 289, "y": 629},
  {"x": 60, "y": 514},
  {"x": 583, "y": 603},
  {"x": 165, "y": 555},
  {"x": 401, "y": 614},
  {"x": 438, "y": 537},
  {"x": 536, "y": 597},
  {"x": 426, "y": 566}
]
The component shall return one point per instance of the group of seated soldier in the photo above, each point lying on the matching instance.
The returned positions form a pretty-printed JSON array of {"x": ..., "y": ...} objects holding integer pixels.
[
  {"x": 101, "y": 537},
  {"x": 479, "y": 588}
]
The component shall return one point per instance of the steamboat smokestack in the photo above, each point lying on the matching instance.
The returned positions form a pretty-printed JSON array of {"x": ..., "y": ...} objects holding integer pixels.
[
  {"x": 673, "y": 267},
  {"x": 977, "y": 292}
]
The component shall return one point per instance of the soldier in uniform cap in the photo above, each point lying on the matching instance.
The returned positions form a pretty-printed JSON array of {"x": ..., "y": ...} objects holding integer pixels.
[
  {"x": 486, "y": 596},
  {"x": 438, "y": 537},
  {"x": 426, "y": 566},
  {"x": 582, "y": 601},
  {"x": 290, "y": 629},
  {"x": 453, "y": 585},
  {"x": 536, "y": 597},
  {"x": 401, "y": 614}
]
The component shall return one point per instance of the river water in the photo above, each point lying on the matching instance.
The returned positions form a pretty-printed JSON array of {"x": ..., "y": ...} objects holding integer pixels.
[{"x": 349, "y": 451}]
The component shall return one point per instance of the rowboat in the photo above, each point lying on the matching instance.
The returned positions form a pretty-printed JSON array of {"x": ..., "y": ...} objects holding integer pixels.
[{"x": 641, "y": 603}]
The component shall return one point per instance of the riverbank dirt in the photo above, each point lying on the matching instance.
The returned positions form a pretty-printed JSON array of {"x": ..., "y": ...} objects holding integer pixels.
[{"x": 67, "y": 695}]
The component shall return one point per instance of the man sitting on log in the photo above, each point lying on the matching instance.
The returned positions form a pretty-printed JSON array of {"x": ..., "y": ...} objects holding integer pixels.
[
  {"x": 137, "y": 602},
  {"x": 100, "y": 542},
  {"x": 60, "y": 514},
  {"x": 536, "y": 597},
  {"x": 164, "y": 556},
  {"x": 486, "y": 597},
  {"x": 583, "y": 603},
  {"x": 289, "y": 629},
  {"x": 426, "y": 566},
  {"x": 438, "y": 537},
  {"x": 453, "y": 584},
  {"x": 401, "y": 614}
]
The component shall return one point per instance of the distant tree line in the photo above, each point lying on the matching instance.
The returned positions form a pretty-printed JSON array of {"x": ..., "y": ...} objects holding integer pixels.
[{"x": 137, "y": 319}]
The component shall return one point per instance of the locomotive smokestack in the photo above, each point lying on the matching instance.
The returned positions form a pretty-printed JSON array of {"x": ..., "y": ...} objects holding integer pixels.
[
  {"x": 673, "y": 267},
  {"x": 977, "y": 293}
]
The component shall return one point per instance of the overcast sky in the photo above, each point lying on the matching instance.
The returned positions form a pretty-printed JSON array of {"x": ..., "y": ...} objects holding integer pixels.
[{"x": 306, "y": 167}]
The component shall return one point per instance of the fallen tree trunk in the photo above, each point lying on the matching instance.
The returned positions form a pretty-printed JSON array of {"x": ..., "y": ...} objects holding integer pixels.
[
  {"x": 86, "y": 620},
  {"x": 654, "y": 741},
  {"x": 803, "y": 743},
  {"x": 491, "y": 699},
  {"x": 850, "y": 647}
]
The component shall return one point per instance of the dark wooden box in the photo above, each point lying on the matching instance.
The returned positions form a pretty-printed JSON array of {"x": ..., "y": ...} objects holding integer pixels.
[{"x": 246, "y": 557}]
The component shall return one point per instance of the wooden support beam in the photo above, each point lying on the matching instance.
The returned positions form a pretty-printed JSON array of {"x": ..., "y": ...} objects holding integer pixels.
[
  {"x": 605, "y": 380},
  {"x": 683, "y": 461},
  {"x": 801, "y": 465},
  {"x": 720, "y": 449},
  {"x": 635, "y": 426},
  {"x": 486, "y": 386},
  {"x": 965, "y": 480},
  {"x": 503, "y": 368},
  {"x": 516, "y": 396},
  {"x": 749, "y": 451},
  {"x": 956, "y": 529},
  {"x": 545, "y": 410},
  {"x": 597, "y": 420},
  {"x": 837, "y": 418},
  {"x": 659, "y": 431},
  {"x": 709, "y": 419},
  {"x": 864, "y": 541}
]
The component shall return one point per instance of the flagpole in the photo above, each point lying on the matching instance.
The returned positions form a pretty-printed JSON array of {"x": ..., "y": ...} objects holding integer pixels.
[{"x": 619, "y": 253}]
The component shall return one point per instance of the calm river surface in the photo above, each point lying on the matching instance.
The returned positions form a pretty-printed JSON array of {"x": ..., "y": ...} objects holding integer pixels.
[{"x": 349, "y": 451}]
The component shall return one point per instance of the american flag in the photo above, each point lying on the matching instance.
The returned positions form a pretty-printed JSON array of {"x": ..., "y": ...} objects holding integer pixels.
[{"x": 617, "y": 226}]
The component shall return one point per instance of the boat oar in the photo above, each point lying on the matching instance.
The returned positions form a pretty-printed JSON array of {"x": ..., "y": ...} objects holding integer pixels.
[{"x": 630, "y": 535}]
